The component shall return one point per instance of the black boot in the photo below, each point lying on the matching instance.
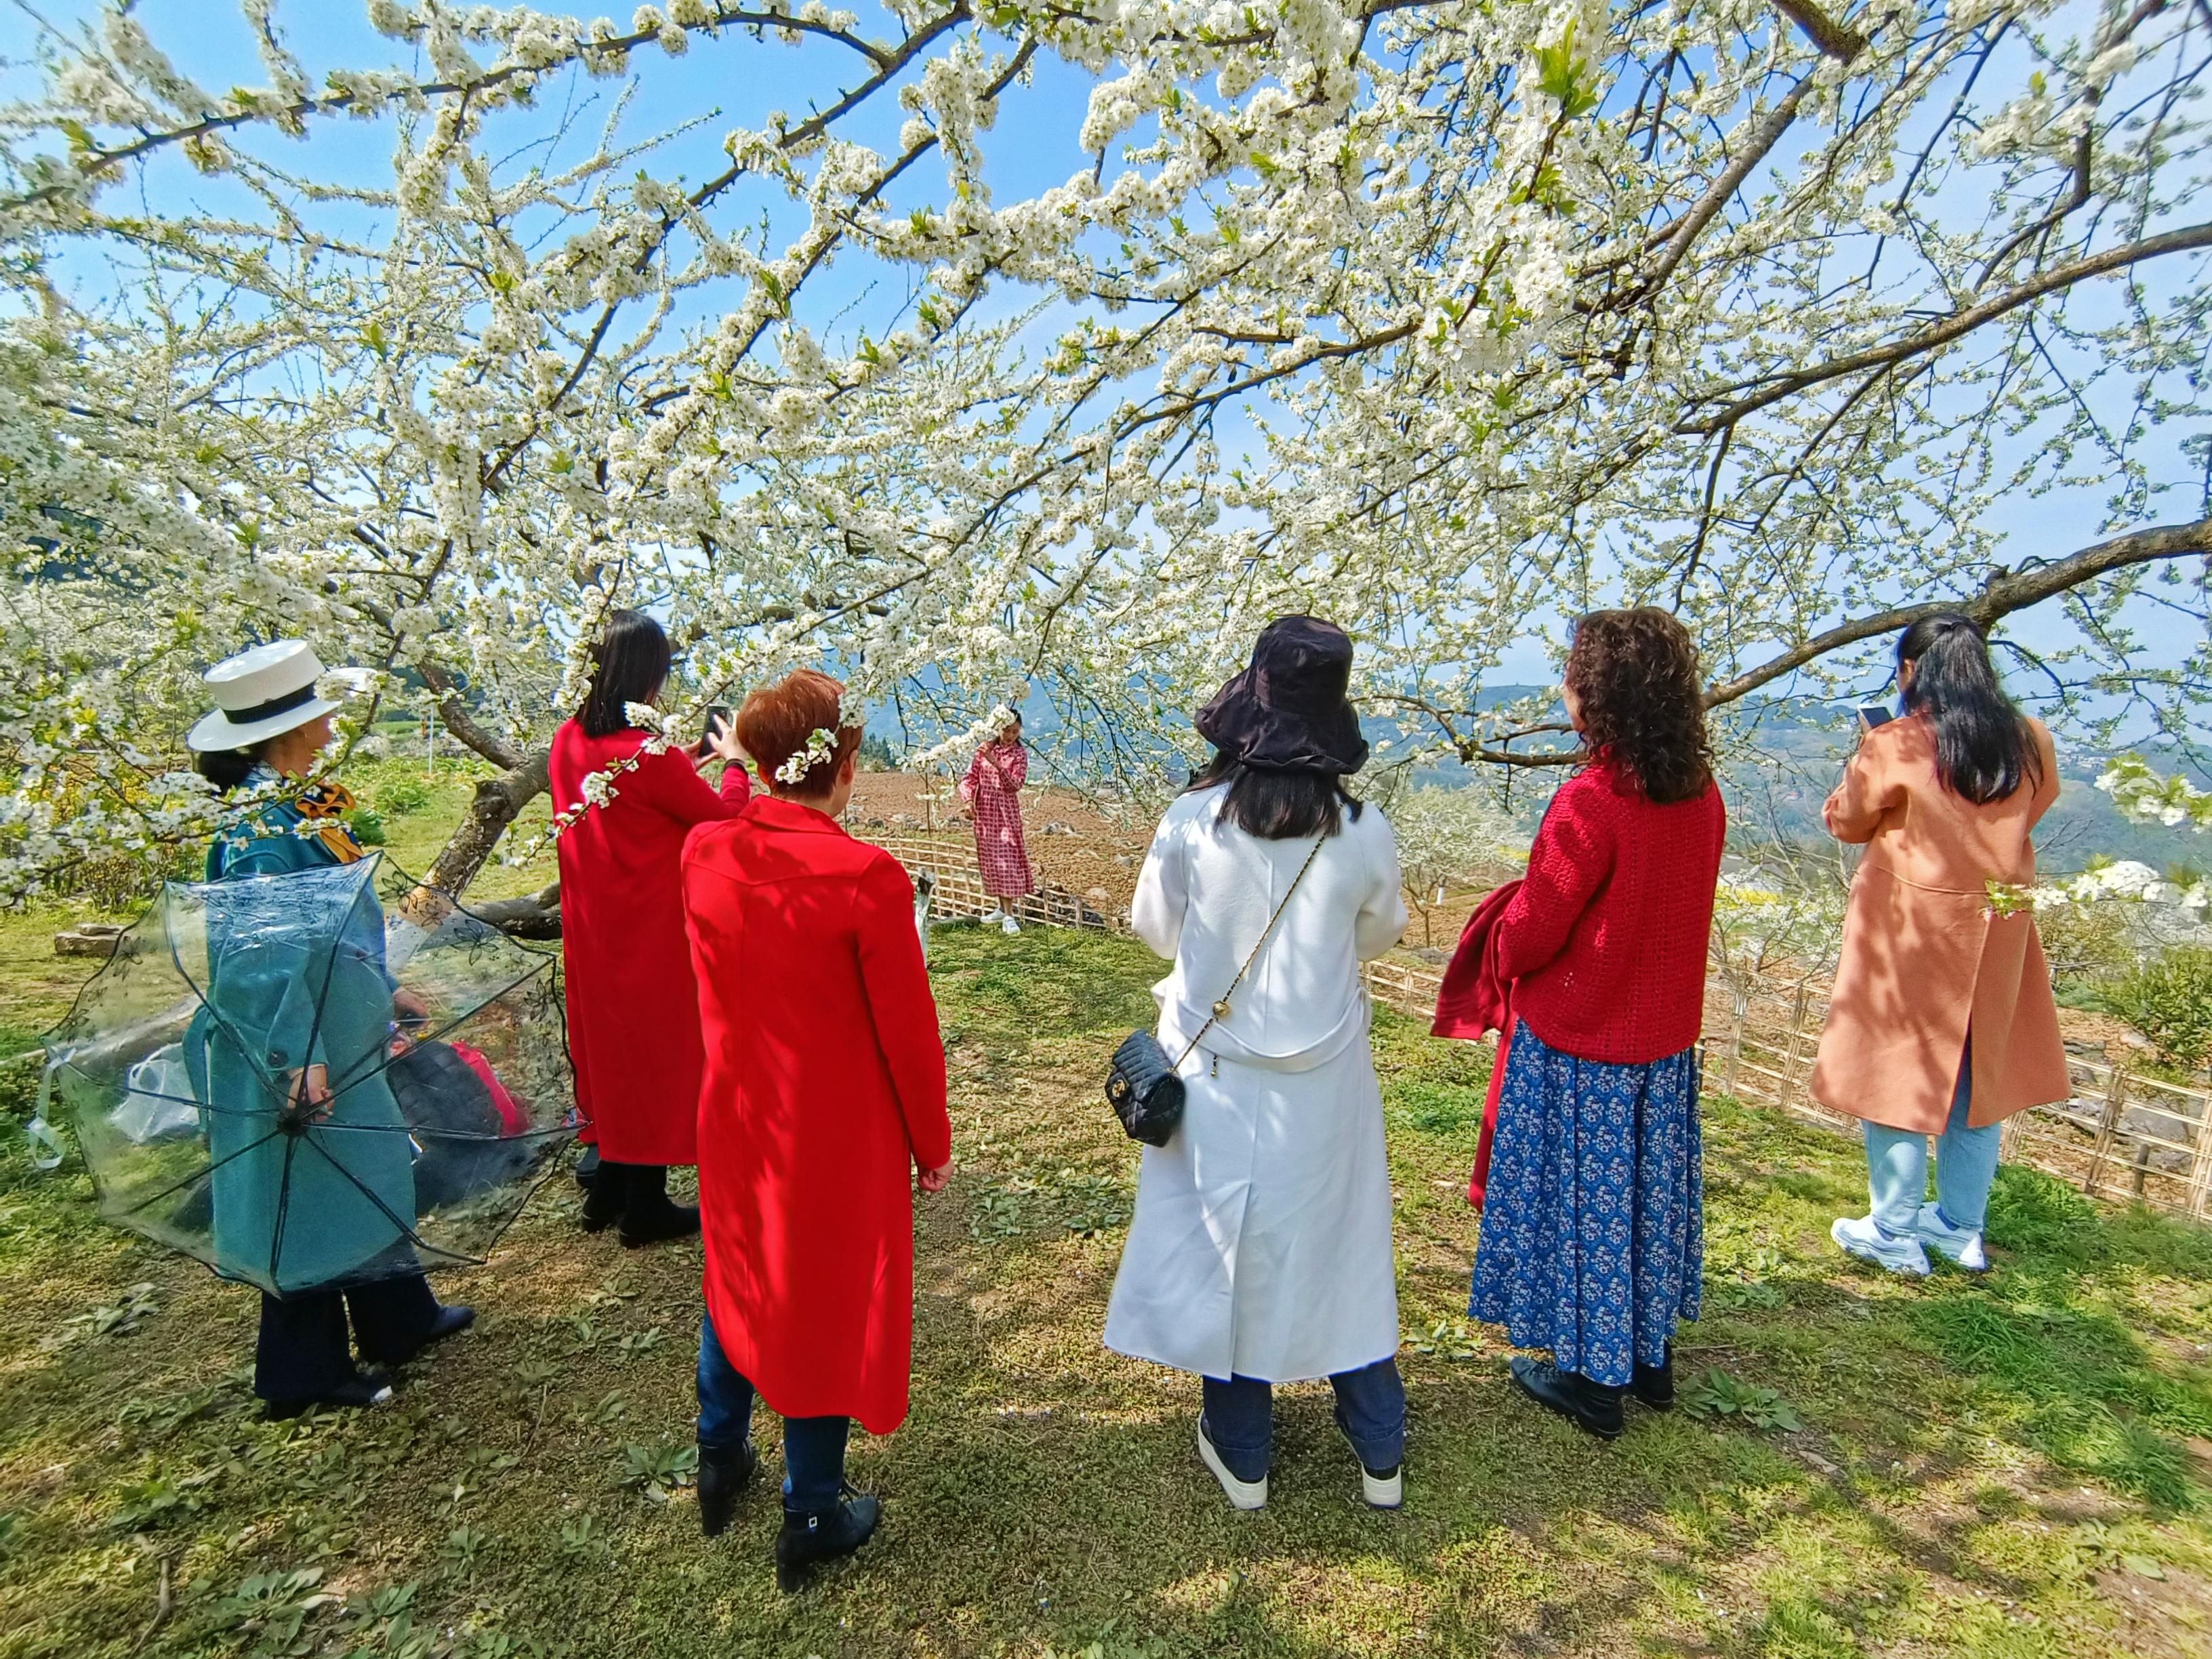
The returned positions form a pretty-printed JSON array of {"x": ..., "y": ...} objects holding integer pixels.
[
  {"x": 587, "y": 1167},
  {"x": 1593, "y": 1407},
  {"x": 649, "y": 1217},
  {"x": 808, "y": 1540},
  {"x": 369, "y": 1387},
  {"x": 1655, "y": 1384},
  {"x": 608, "y": 1196},
  {"x": 451, "y": 1319},
  {"x": 724, "y": 1474}
]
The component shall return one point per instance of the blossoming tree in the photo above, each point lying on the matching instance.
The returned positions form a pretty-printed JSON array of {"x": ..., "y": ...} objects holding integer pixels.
[{"x": 1445, "y": 318}]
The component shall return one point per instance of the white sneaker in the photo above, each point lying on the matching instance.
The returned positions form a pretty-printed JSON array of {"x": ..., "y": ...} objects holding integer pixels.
[
  {"x": 995, "y": 913},
  {"x": 1010, "y": 926},
  {"x": 1383, "y": 1492},
  {"x": 1243, "y": 1494},
  {"x": 1862, "y": 1236},
  {"x": 1963, "y": 1245}
]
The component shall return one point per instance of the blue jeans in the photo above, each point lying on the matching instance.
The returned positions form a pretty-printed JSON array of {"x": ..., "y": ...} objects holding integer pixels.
[
  {"x": 1965, "y": 1166},
  {"x": 1370, "y": 1409},
  {"x": 813, "y": 1446}
]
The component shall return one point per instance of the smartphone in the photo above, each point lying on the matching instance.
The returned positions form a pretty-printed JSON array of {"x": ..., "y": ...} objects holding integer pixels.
[
  {"x": 717, "y": 718},
  {"x": 1872, "y": 715}
]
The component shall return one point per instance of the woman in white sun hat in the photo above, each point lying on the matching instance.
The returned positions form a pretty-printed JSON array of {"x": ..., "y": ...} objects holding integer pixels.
[{"x": 340, "y": 1248}]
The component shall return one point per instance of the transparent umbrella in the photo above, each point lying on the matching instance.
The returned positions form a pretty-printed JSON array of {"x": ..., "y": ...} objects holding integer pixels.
[{"x": 316, "y": 1079}]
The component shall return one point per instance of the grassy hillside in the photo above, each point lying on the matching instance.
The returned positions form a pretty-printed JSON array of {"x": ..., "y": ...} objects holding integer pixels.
[{"x": 2016, "y": 1466}]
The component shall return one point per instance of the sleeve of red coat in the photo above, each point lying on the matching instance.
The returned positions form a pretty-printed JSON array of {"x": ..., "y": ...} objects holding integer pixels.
[
  {"x": 905, "y": 1012},
  {"x": 1570, "y": 861},
  {"x": 669, "y": 783}
]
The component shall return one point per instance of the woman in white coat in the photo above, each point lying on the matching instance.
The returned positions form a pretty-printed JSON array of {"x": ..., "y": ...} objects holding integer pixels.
[{"x": 1260, "y": 1252}]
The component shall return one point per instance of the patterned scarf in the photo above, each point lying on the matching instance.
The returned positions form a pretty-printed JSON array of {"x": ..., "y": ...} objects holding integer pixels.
[
  {"x": 322, "y": 810},
  {"x": 323, "y": 807}
]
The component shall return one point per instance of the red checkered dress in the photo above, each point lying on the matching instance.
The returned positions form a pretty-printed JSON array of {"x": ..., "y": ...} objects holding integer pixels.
[{"x": 993, "y": 791}]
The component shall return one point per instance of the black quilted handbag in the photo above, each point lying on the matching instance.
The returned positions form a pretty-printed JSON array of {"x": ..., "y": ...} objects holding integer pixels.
[
  {"x": 1143, "y": 1085},
  {"x": 1143, "y": 1089}
]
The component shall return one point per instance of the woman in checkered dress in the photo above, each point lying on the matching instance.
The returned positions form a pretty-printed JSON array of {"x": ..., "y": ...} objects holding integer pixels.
[{"x": 992, "y": 790}]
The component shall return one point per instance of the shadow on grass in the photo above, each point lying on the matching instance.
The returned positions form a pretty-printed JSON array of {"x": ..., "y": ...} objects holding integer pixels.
[{"x": 1045, "y": 1494}]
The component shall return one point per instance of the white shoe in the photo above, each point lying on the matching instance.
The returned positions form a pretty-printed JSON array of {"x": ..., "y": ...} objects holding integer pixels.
[
  {"x": 1010, "y": 926},
  {"x": 1383, "y": 1492},
  {"x": 1243, "y": 1494},
  {"x": 1962, "y": 1245},
  {"x": 995, "y": 913},
  {"x": 1863, "y": 1237}
]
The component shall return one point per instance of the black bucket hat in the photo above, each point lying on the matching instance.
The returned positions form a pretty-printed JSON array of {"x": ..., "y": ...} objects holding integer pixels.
[{"x": 1288, "y": 712}]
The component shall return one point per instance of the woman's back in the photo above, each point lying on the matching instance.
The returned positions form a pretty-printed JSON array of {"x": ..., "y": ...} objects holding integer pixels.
[
  {"x": 1893, "y": 800},
  {"x": 1204, "y": 896},
  {"x": 825, "y": 1081}
]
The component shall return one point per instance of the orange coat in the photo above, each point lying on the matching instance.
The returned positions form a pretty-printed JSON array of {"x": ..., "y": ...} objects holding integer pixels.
[{"x": 1925, "y": 956}]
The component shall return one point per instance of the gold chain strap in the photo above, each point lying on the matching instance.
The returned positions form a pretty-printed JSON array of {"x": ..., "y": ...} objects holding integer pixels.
[{"x": 1221, "y": 1008}]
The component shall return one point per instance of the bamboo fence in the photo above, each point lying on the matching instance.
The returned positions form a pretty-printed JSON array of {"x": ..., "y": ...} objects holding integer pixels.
[{"x": 2121, "y": 1136}]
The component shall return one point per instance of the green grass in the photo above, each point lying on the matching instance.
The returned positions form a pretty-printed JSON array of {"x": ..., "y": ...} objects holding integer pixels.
[{"x": 2016, "y": 1465}]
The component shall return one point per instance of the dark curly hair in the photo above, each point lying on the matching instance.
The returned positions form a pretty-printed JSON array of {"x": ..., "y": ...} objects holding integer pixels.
[{"x": 1635, "y": 674}]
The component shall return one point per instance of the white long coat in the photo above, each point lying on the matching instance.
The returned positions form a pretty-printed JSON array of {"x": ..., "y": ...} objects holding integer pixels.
[{"x": 1261, "y": 1245}]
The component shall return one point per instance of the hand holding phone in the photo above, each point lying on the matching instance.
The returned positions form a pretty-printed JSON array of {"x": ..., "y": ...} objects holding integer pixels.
[{"x": 720, "y": 738}]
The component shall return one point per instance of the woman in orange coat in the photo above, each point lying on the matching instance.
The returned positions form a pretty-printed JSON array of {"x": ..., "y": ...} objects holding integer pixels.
[
  {"x": 825, "y": 1086},
  {"x": 1942, "y": 1022},
  {"x": 633, "y": 1010}
]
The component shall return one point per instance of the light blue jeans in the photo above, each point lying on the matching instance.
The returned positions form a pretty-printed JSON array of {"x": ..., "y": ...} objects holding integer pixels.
[{"x": 1965, "y": 1166}]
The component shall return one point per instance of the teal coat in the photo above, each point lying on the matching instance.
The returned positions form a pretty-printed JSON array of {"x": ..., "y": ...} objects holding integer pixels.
[{"x": 296, "y": 977}]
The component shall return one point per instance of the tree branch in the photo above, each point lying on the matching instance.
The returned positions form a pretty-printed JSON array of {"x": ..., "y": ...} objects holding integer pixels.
[
  {"x": 1953, "y": 327},
  {"x": 2004, "y": 593}
]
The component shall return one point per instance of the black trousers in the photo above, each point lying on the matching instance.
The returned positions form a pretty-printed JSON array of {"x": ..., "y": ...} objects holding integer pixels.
[{"x": 302, "y": 1353}]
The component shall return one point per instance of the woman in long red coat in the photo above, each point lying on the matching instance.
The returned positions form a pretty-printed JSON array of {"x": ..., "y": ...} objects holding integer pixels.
[
  {"x": 633, "y": 1009},
  {"x": 825, "y": 1084}
]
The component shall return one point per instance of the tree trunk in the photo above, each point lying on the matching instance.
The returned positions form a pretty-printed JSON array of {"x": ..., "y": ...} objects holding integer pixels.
[{"x": 498, "y": 800}]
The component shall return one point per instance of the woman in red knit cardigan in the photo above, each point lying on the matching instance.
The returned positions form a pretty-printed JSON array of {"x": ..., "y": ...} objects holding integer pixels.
[{"x": 1593, "y": 1222}]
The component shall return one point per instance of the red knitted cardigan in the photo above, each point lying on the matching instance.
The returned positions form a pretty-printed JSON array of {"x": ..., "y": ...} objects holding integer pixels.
[{"x": 1606, "y": 941}]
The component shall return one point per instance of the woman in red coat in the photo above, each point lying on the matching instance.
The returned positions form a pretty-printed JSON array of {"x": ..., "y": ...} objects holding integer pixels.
[
  {"x": 633, "y": 1010},
  {"x": 825, "y": 1083},
  {"x": 1593, "y": 1220}
]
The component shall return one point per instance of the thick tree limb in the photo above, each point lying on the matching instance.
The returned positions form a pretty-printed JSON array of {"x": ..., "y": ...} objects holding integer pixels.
[
  {"x": 1955, "y": 326},
  {"x": 454, "y": 712},
  {"x": 534, "y": 916},
  {"x": 498, "y": 800},
  {"x": 1834, "y": 40},
  {"x": 2004, "y": 593}
]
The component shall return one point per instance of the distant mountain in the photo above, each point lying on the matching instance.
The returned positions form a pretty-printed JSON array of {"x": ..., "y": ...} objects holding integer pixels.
[{"x": 1796, "y": 747}]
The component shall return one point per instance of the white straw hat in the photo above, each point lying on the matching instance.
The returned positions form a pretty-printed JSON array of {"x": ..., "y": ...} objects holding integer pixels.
[{"x": 260, "y": 693}]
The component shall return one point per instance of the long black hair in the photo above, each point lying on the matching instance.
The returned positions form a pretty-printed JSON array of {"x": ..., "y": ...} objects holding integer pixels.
[
  {"x": 1277, "y": 805},
  {"x": 1984, "y": 751},
  {"x": 629, "y": 664}
]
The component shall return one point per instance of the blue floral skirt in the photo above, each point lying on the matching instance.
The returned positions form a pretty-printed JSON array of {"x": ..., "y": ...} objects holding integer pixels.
[{"x": 1592, "y": 1224}]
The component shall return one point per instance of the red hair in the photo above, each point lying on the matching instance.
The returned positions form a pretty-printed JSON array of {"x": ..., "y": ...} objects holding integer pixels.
[{"x": 777, "y": 721}]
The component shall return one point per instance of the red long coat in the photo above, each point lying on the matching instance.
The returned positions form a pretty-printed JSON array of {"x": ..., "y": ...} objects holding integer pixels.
[
  {"x": 633, "y": 1009},
  {"x": 824, "y": 1090}
]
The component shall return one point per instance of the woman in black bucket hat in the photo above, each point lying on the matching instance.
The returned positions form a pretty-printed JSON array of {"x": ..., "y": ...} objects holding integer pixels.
[{"x": 1260, "y": 1252}]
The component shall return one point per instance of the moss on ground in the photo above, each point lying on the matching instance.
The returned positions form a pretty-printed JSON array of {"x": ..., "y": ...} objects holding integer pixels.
[{"x": 2016, "y": 1465}]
